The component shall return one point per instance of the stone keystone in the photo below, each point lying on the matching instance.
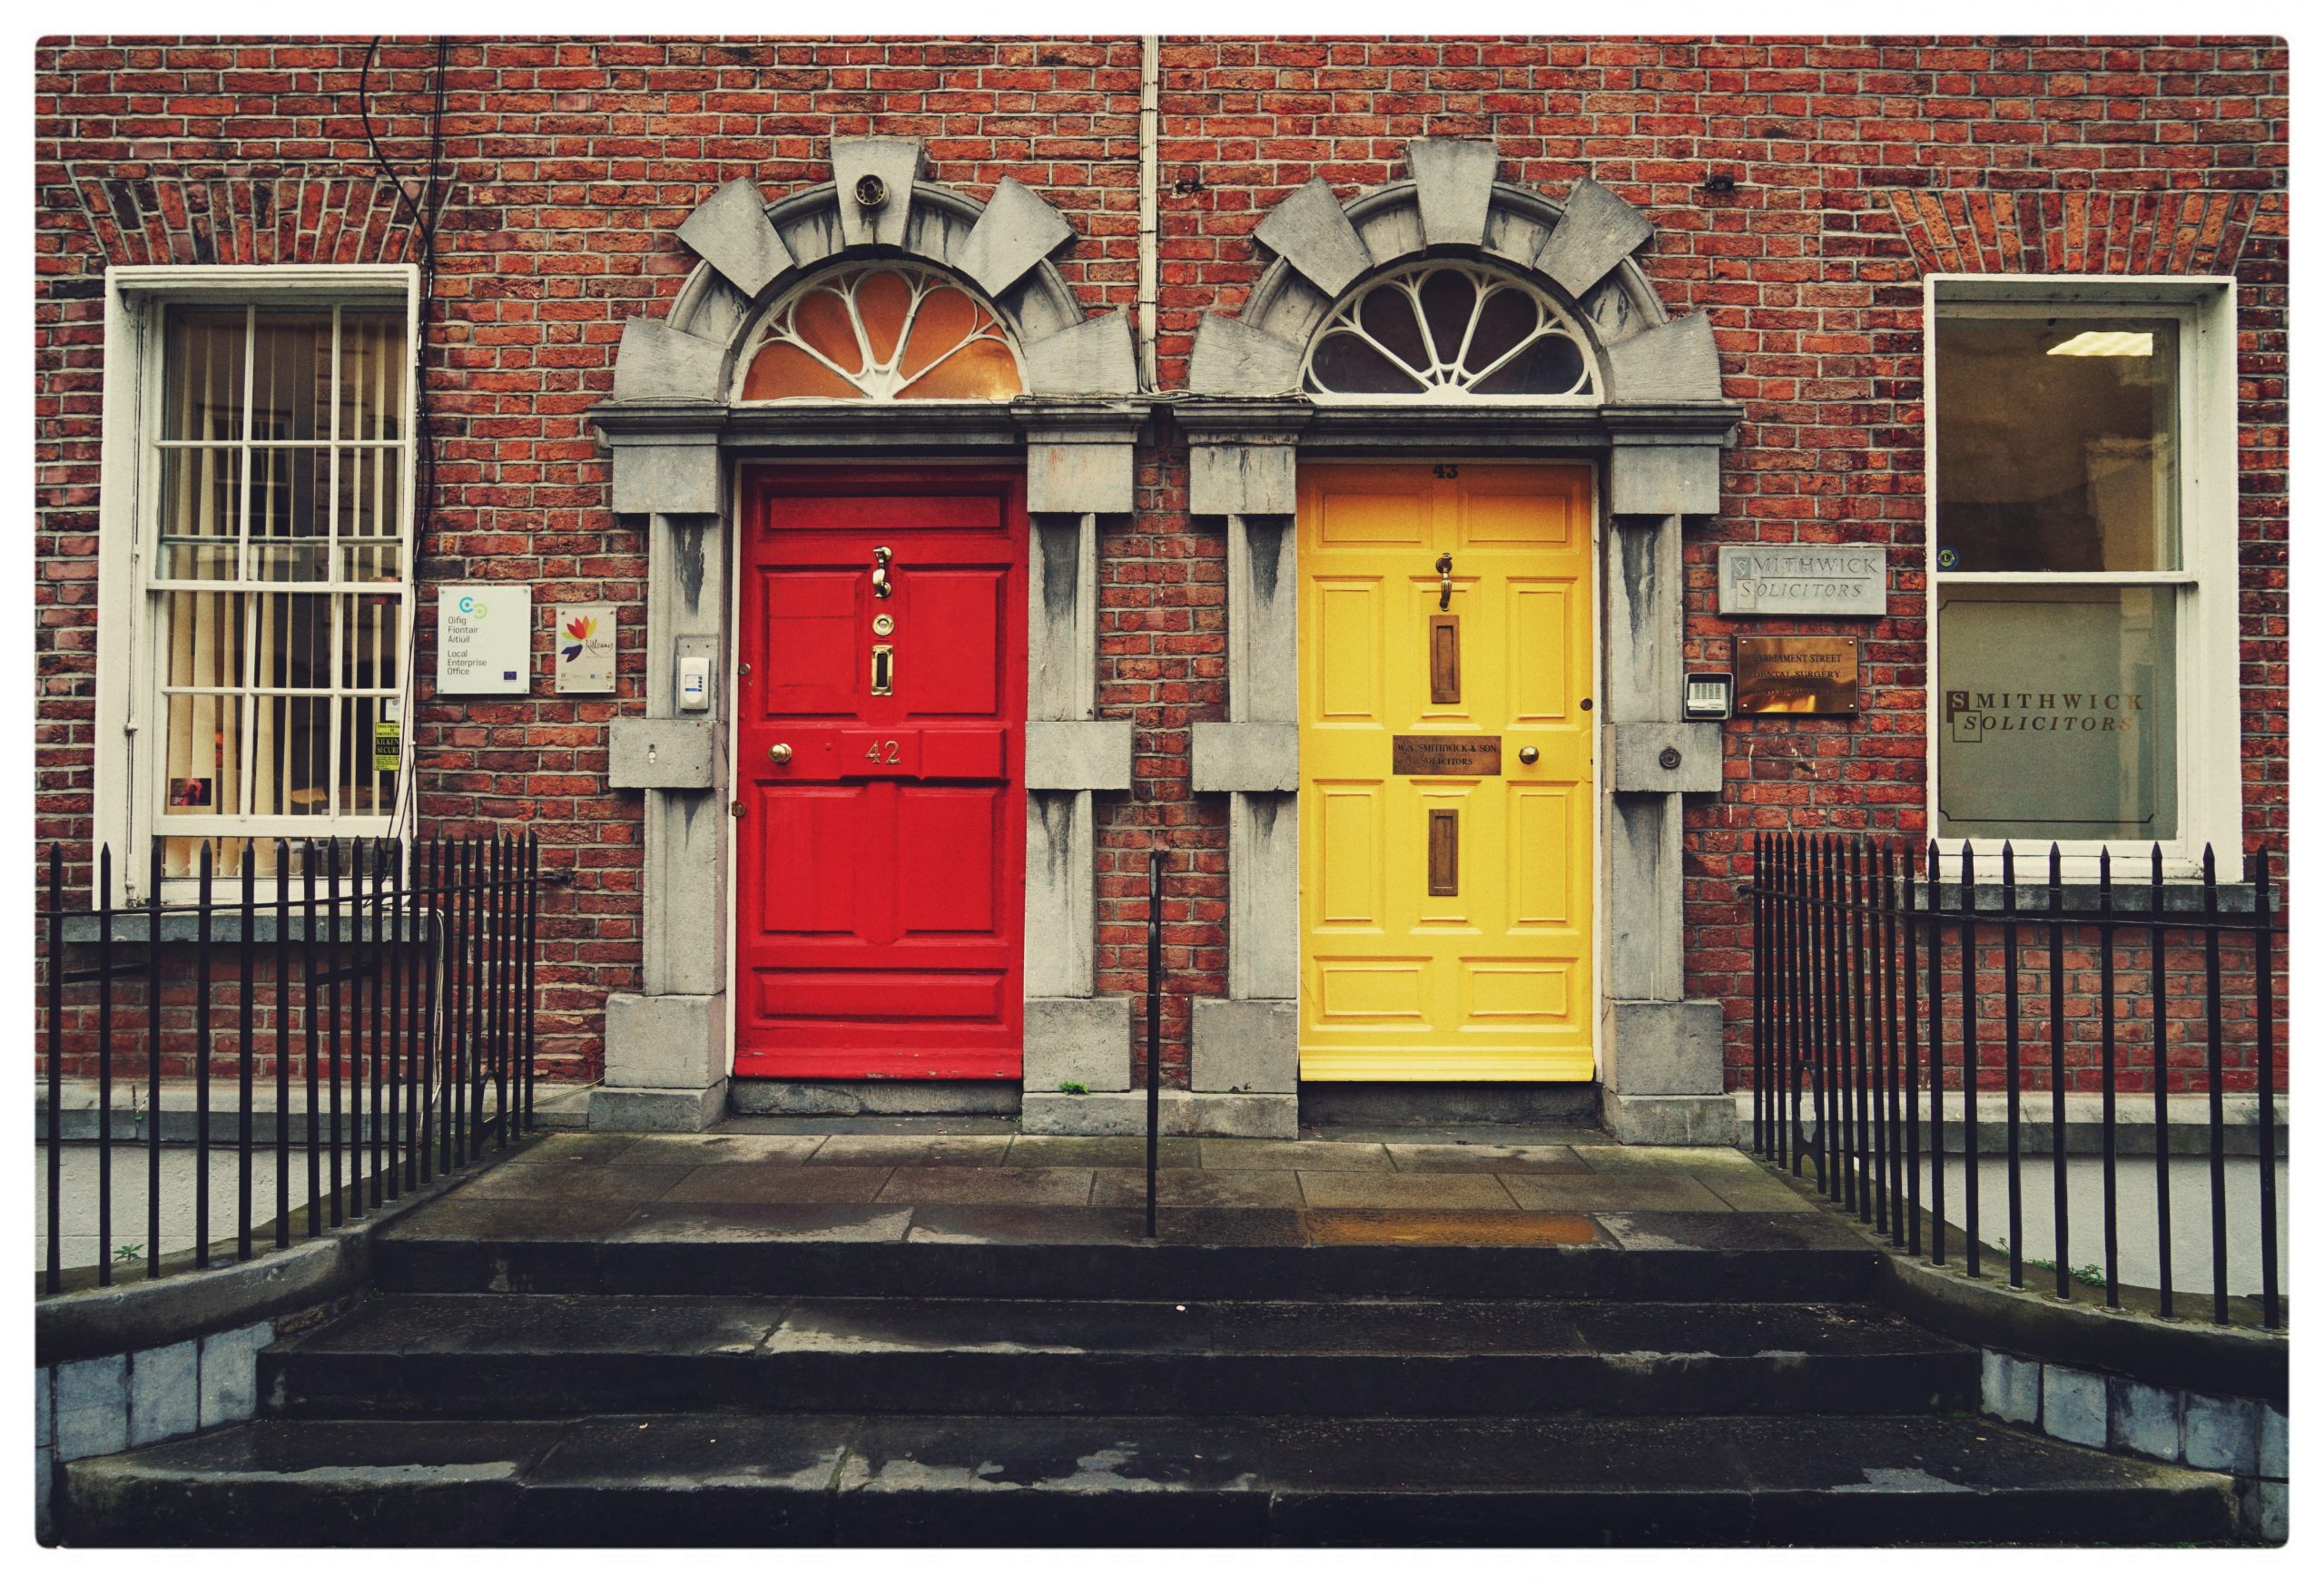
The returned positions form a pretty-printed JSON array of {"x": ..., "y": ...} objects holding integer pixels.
[
  {"x": 1016, "y": 232},
  {"x": 895, "y": 161},
  {"x": 1314, "y": 236},
  {"x": 1455, "y": 182},
  {"x": 1596, "y": 233},
  {"x": 734, "y": 237}
]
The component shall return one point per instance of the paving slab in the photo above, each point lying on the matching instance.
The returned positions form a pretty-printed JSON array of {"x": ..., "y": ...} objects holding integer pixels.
[
  {"x": 1247, "y": 1190},
  {"x": 1060, "y": 1224},
  {"x": 1033, "y": 1150},
  {"x": 987, "y": 1186},
  {"x": 990, "y": 1325},
  {"x": 1494, "y": 1228},
  {"x": 569, "y": 1183},
  {"x": 775, "y": 1183},
  {"x": 1485, "y": 1158},
  {"x": 1590, "y": 1192},
  {"x": 709, "y": 1479},
  {"x": 1731, "y": 1231},
  {"x": 700, "y": 1149},
  {"x": 582, "y": 1148},
  {"x": 827, "y": 1127},
  {"x": 1345, "y": 1190},
  {"x": 758, "y": 1222},
  {"x": 912, "y": 1149},
  {"x": 1307, "y": 1154},
  {"x": 482, "y": 1220}
]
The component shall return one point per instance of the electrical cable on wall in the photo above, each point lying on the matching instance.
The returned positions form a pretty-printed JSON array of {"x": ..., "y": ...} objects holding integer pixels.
[{"x": 424, "y": 211}]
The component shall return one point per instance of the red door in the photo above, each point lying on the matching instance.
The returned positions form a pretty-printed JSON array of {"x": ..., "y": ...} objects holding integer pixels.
[{"x": 880, "y": 851}]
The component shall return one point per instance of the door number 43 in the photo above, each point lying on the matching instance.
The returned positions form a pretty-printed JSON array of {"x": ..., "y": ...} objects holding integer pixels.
[{"x": 887, "y": 753}]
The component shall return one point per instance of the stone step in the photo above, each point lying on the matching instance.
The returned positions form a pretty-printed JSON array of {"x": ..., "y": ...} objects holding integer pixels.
[
  {"x": 1015, "y": 1251},
  {"x": 1048, "y": 1481},
  {"x": 471, "y": 1356}
]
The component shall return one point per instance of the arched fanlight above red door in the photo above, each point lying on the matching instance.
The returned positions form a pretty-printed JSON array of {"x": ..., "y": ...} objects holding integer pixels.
[{"x": 883, "y": 332}]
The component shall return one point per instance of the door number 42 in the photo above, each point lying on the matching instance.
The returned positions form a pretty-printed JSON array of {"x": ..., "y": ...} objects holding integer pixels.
[{"x": 889, "y": 749}]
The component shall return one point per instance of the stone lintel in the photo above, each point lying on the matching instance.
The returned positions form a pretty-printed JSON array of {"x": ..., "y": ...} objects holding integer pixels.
[
  {"x": 1314, "y": 236},
  {"x": 1097, "y": 357},
  {"x": 731, "y": 231},
  {"x": 1596, "y": 233},
  {"x": 656, "y": 362},
  {"x": 1016, "y": 232},
  {"x": 669, "y": 751},
  {"x": 896, "y": 160},
  {"x": 1234, "y": 359},
  {"x": 1076, "y": 755},
  {"x": 1077, "y": 1039},
  {"x": 1640, "y": 749},
  {"x": 1661, "y": 1047},
  {"x": 1245, "y": 1047},
  {"x": 1242, "y": 479},
  {"x": 1232, "y": 756},
  {"x": 1454, "y": 179}
]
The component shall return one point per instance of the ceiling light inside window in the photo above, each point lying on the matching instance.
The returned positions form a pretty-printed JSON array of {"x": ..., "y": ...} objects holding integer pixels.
[{"x": 2106, "y": 344}]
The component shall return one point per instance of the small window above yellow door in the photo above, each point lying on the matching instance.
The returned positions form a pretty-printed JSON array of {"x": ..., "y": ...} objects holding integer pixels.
[{"x": 882, "y": 332}]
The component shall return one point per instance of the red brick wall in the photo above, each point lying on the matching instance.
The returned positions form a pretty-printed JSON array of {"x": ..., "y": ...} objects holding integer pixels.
[{"x": 1859, "y": 166}]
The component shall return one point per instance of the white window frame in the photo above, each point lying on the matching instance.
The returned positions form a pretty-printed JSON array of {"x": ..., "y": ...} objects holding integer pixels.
[
  {"x": 127, "y": 811},
  {"x": 2208, "y": 710}
]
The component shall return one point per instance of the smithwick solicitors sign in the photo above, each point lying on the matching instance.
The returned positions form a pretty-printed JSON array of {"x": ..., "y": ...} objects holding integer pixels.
[{"x": 1803, "y": 580}]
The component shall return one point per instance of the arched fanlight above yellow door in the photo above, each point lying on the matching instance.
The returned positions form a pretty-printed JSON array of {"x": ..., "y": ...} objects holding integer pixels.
[{"x": 883, "y": 332}]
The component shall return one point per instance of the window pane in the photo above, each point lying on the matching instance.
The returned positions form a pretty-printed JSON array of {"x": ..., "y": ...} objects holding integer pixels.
[
  {"x": 203, "y": 772},
  {"x": 370, "y": 513},
  {"x": 2057, "y": 444},
  {"x": 362, "y": 788},
  {"x": 203, "y": 354},
  {"x": 370, "y": 635},
  {"x": 201, "y": 496},
  {"x": 293, "y": 640},
  {"x": 2059, "y": 713},
  {"x": 291, "y": 377},
  {"x": 290, "y": 514},
  {"x": 371, "y": 361}
]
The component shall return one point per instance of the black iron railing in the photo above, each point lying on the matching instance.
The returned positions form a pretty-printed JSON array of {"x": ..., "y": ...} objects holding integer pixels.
[
  {"x": 1880, "y": 984},
  {"x": 1153, "y": 1029},
  {"x": 397, "y": 985}
]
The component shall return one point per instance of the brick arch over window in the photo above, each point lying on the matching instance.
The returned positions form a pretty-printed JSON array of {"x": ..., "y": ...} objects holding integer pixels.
[
  {"x": 1580, "y": 248},
  {"x": 752, "y": 253}
]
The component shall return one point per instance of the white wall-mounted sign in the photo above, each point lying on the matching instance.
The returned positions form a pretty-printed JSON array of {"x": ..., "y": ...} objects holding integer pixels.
[
  {"x": 484, "y": 634},
  {"x": 584, "y": 641},
  {"x": 1803, "y": 580}
]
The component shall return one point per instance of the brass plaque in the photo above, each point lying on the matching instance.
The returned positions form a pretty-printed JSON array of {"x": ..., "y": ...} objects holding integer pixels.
[
  {"x": 1445, "y": 660},
  {"x": 1435, "y": 754},
  {"x": 1443, "y": 852},
  {"x": 1796, "y": 677}
]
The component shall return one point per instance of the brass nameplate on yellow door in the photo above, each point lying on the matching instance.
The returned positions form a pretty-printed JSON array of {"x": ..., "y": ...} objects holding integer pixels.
[
  {"x": 1445, "y": 660},
  {"x": 1796, "y": 677},
  {"x": 1443, "y": 852},
  {"x": 1432, "y": 753}
]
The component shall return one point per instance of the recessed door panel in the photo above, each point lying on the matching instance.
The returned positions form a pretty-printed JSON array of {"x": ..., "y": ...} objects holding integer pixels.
[
  {"x": 879, "y": 751},
  {"x": 1445, "y": 892}
]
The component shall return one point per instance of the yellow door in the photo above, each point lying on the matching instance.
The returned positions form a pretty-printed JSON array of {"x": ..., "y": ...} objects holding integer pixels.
[{"x": 1444, "y": 909}]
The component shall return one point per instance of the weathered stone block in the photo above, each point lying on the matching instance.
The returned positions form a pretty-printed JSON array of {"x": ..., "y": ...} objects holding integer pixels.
[
  {"x": 1597, "y": 233},
  {"x": 230, "y": 1373},
  {"x": 1314, "y": 237},
  {"x": 1641, "y": 748},
  {"x": 1664, "y": 479},
  {"x": 2073, "y": 1405},
  {"x": 1076, "y": 755},
  {"x": 1690, "y": 1119},
  {"x": 2222, "y": 1433},
  {"x": 1231, "y": 359},
  {"x": 895, "y": 161},
  {"x": 639, "y": 1110},
  {"x": 657, "y": 363},
  {"x": 1662, "y": 1048},
  {"x": 2275, "y": 1437},
  {"x": 164, "y": 1392},
  {"x": 670, "y": 475},
  {"x": 1677, "y": 361},
  {"x": 1078, "y": 477},
  {"x": 1454, "y": 179},
  {"x": 1242, "y": 480},
  {"x": 1263, "y": 896},
  {"x": 1182, "y": 1113},
  {"x": 669, "y": 751},
  {"x": 2011, "y": 1389},
  {"x": 665, "y": 1042},
  {"x": 732, "y": 232},
  {"x": 1260, "y": 756},
  {"x": 1249, "y": 1048},
  {"x": 43, "y": 1405},
  {"x": 1097, "y": 357},
  {"x": 91, "y": 1408},
  {"x": 2142, "y": 1419},
  {"x": 1077, "y": 1039},
  {"x": 1016, "y": 232}
]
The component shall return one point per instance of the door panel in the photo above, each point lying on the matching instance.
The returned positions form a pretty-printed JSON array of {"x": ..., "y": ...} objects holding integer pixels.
[
  {"x": 1445, "y": 917},
  {"x": 880, "y": 911}
]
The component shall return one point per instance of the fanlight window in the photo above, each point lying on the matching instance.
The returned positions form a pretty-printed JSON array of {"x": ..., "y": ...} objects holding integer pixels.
[
  {"x": 883, "y": 332},
  {"x": 1448, "y": 332}
]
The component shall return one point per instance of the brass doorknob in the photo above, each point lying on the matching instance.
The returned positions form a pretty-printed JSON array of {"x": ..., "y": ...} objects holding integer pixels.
[
  {"x": 1529, "y": 754},
  {"x": 779, "y": 753}
]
